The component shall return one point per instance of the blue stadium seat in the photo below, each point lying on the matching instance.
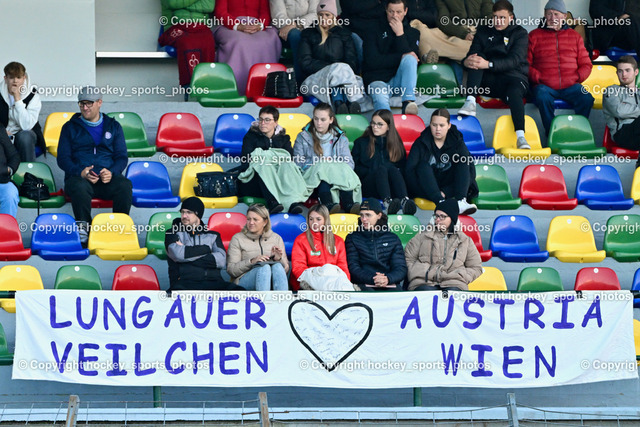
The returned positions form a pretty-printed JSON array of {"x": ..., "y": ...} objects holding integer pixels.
[
  {"x": 636, "y": 287},
  {"x": 288, "y": 227},
  {"x": 151, "y": 185},
  {"x": 514, "y": 239},
  {"x": 171, "y": 51},
  {"x": 229, "y": 132},
  {"x": 473, "y": 135},
  {"x": 599, "y": 188},
  {"x": 615, "y": 53},
  {"x": 55, "y": 237}
]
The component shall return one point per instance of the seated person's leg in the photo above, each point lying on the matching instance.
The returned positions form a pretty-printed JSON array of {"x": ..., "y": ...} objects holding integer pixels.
[
  {"x": 405, "y": 82},
  {"x": 293, "y": 39},
  {"x": 279, "y": 278},
  {"x": 399, "y": 192},
  {"x": 324, "y": 194},
  {"x": 358, "y": 42},
  {"x": 379, "y": 92},
  {"x": 348, "y": 204},
  {"x": 576, "y": 96},
  {"x": 425, "y": 186},
  {"x": 258, "y": 278},
  {"x": 9, "y": 199},
  {"x": 515, "y": 91},
  {"x": 627, "y": 135},
  {"x": 339, "y": 100},
  {"x": 80, "y": 191},
  {"x": 25, "y": 142},
  {"x": 543, "y": 98},
  {"x": 119, "y": 189}
]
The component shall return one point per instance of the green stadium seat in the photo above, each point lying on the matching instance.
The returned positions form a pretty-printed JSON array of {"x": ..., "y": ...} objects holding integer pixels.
[
  {"x": 405, "y": 227},
  {"x": 6, "y": 358},
  {"x": 353, "y": 125},
  {"x": 134, "y": 134},
  {"x": 213, "y": 84},
  {"x": 439, "y": 79},
  {"x": 494, "y": 189},
  {"x": 80, "y": 277},
  {"x": 622, "y": 238},
  {"x": 571, "y": 135},
  {"x": 41, "y": 170},
  {"x": 159, "y": 223},
  {"x": 539, "y": 279}
]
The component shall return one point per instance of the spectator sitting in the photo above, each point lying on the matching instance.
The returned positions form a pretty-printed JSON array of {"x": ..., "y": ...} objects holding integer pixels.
[
  {"x": 497, "y": 66},
  {"x": 380, "y": 159},
  {"x": 195, "y": 254},
  {"x": 9, "y": 162},
  {"x": 390, "y": 59},
  {"x": 619, "y": 24},
  {"x": 621, "y": 106},
  {"x": 92, "y": 153},
  {"x": 257, "y": 256},
  {"x": 245, "y": 37},
  {"x": 558, "y": 63},
  {"x": 443, "y": 256},
  {"x": 19, "y": 110},
  {"x": 359, "y": 16},
  {"x": 322, "y": 140},
  {"x": 328, "y": 60},
  {"x": 318, "y": 245},
  {"x": 374, "y": 254},
  {"x": 439, "y": 165},
  {"x": 290, "y": 17}
]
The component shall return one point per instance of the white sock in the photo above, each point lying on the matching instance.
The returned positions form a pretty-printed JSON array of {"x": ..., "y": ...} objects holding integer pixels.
[
  {"x": 519, "y": 133},
  {"x": 471, "y": 98}
]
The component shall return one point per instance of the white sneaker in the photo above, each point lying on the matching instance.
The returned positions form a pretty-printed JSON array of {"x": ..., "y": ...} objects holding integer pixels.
[
  {"x": 522, "y": 143},
  {"x": 468, "y": 109},
  {"x": 466, "y": 208}
]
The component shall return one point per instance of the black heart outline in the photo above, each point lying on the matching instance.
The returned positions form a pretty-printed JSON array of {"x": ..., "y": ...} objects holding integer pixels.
[{"x": 330, "y": 317}]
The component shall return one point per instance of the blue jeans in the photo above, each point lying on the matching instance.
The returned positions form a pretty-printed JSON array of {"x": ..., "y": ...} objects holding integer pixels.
[
  {"x": 575, "y": 95},
  {"x": 9, "y": 199},
  {"x": 403, "y": 84},
  {"x": 259, "y": 278},
  {"x": 358, "y": 42}
]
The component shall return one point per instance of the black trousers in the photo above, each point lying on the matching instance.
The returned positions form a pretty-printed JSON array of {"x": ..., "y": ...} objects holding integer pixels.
[
  {"x": 627, "y": 36},
  {"x": 256, "y": 188},
  {"x": 454, "y": 184},
  {"x": 627, "y": 137},
  {"x": 82, "y": 191},
  {"x": 383, "y": 183}
]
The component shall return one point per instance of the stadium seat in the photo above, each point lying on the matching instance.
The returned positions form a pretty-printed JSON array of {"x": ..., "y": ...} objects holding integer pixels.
[
  {"x": 41, "y": 170},
  {"x": 171, "y": 51},
  {"x": 615, "y": 53},
  {"x": 343, "y": 224},
  {"x": 11, "y": 247},
  {"x": 491, "y": 279},
  {"x": 80, "y": 277},
  {"x": 405, "y": 227},
  {"x": 255, "y": 87},
  {"x": 114, "y": 237},
  {"x": 424, "y": 204},
  {"x": 601, "y": 77},
  {"x": 471, "y": 229},
  {"x": 514, "y": 239},
  {"x": 570, "y": 239},
  {"x": 151, "y": 185},
  {"x": 504, "y": 139},
  {"x": 227, "y": 224},
  {"x": 439, "y": 80},
  {"x": 288, "y": 227},
  {"x": 539, "y": 279},
  {"x": 635, "y": 186},
  {"x": 494, "y": 189},
  {"x": 622, "y": 238},
  {"x": 250, "y": 200},
  {"x": 189, "y": 180},
  {"x": 543, "y": 187},
  {"x": 609, "y": 144},
  {"x": 599, "y": 188},
  {"x": 180, "y": 134},
  {"x": 159, "y": 223},
  {"x": 353, "y": 126},
  {"x": 213, "y": 84},
  {"x": 6, "y": 358},
  {"x": 635, "y": 286},
  {"x": 230, "y": 131},
  {"x": 471, "y": 130},
  {"x": 409, "y": 127},
  {"x": 293, "y": 124},
  {"x": 636, "y": 338},
  {"x": 52, "y": 129},
  {"x": 135, "y": 277},
  {"x": 134, "y": 134},
  {"x": 597, "y": 279},
  {"x": 490, "y": 103},
  {"x": 571, "y": 135},
  {"x": 55, "y": 237},
  {"x": 561, "y": 104},
  {"x": 18, "y": 278}
]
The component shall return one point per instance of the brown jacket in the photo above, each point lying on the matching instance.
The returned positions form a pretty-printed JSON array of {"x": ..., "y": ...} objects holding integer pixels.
[
  {"x": 244, "y": 247},
  {"x": 432, "y": 259}
]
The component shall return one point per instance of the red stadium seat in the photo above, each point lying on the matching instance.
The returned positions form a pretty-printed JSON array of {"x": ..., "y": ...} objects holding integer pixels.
[
  {"x": 135, "y": 277},
  {"x": 11, "y": 246},
  {"x": 227, "y": 224},
  {"x": 409, "y": 127},
  {"x": 470, "y": 228},
  {"x": 612, "y": 148},
  {"x": 543, "y": 187},
  {"x": 597, "y": 279},
  {"x": 255, "y": 87},
  {"x": 181, "y": 134}
]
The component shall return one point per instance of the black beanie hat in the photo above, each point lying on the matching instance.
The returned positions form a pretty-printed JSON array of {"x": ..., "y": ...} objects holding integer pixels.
[
  {"x": 451, "y": 208},
  {"x": 194, "y": 204}
]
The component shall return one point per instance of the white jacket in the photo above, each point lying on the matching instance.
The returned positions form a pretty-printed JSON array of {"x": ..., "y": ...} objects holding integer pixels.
[
  {"x": 284, "y": 12},
  {"x": 21, "y": 117}
]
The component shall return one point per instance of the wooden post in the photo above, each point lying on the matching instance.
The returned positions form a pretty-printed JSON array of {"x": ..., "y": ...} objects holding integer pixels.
[
  {"x": 263, "y": 407},
  {"x": 72, "y": 410}
]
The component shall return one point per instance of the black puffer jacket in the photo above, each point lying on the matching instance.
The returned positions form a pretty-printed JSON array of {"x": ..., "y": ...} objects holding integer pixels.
[
  {"x": 256, "y": 139},
  {"x": 365, "y": 164},
  {"x": 9, "y": 157},
  {"x": 606, "y": 11},
  {"x": 371, "y": 252},
  {"x": 359, "y": 14},
  {"x": 338, "y": 47}
]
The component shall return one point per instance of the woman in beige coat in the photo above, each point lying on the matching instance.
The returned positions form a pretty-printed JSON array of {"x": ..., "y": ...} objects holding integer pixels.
[
  {"x": 442, "y": 257},
  {"x": 256, "y": 256}
]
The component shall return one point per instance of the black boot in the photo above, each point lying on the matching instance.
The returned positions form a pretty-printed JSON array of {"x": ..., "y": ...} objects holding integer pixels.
[
  {"x": 327, "y": 200},
  {"x": 408, "y": 206},
  {"x": 296, "y": 208},
  {"x": 346, "y": 200},
  {"x": 394, "y": 206},
  {"x": 274, "y": 207}
]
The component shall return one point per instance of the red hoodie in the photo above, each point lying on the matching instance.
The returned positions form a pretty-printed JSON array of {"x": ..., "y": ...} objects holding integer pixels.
[{"x": 302, "y": 257}]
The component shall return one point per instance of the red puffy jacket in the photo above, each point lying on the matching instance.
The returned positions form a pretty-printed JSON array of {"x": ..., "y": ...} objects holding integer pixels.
[
  {"x": 301, "y": 257},
  {"x": 557, "y": 59}
]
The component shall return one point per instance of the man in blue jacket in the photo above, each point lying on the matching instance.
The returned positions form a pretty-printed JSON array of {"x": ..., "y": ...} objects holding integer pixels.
[{"x": 92, "y": 153}]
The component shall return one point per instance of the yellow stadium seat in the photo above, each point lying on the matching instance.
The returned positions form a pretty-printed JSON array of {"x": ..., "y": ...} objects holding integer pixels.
[
  {"x": 52, "y": 128},
  {"x": 424, "y": 204},
  {"x": 343, "y": 224},
  {"x": 504, "y": 139},
  {"x": 188, "y": 181},
  {"x": 600, "y": 78},
  {"x": 570, "y": 239},
  {"x": 635, "y": 186},
  {"x": 114, "y": 237},
  {"x": 18, "y": 278},
  {"x": 491, "y": 279},
  {"x": 293, "y": 124},
  {"x": 636, "y": 337}
]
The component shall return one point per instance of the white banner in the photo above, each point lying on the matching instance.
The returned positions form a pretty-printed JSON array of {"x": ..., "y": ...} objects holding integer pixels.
[{"x": 346, "y": 340}]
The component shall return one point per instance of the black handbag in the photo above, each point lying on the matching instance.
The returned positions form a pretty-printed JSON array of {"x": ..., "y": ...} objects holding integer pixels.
[
  {"x": 216, "y": 184},
  {"x": 281, "y": 84},
  {"x": 34, "y": 188}
]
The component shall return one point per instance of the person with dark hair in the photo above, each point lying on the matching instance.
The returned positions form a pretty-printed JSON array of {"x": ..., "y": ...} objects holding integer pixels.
[
  {"x": 322, "y": 140},
  {"x": 195, "y": 254},
  {"x": 19, "y": 110},
  {"x": 9, "y": 162},
  {"x": 621, "y": 106},
  {"x": 618, "y": 24},
  {"x": 374, "y": 254},
  {"x": 442, "y": 256},
  {"x": 497, "y": 66},
  {"x": 439, "y": 165},
  {"x": 380, "y": 159}
]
